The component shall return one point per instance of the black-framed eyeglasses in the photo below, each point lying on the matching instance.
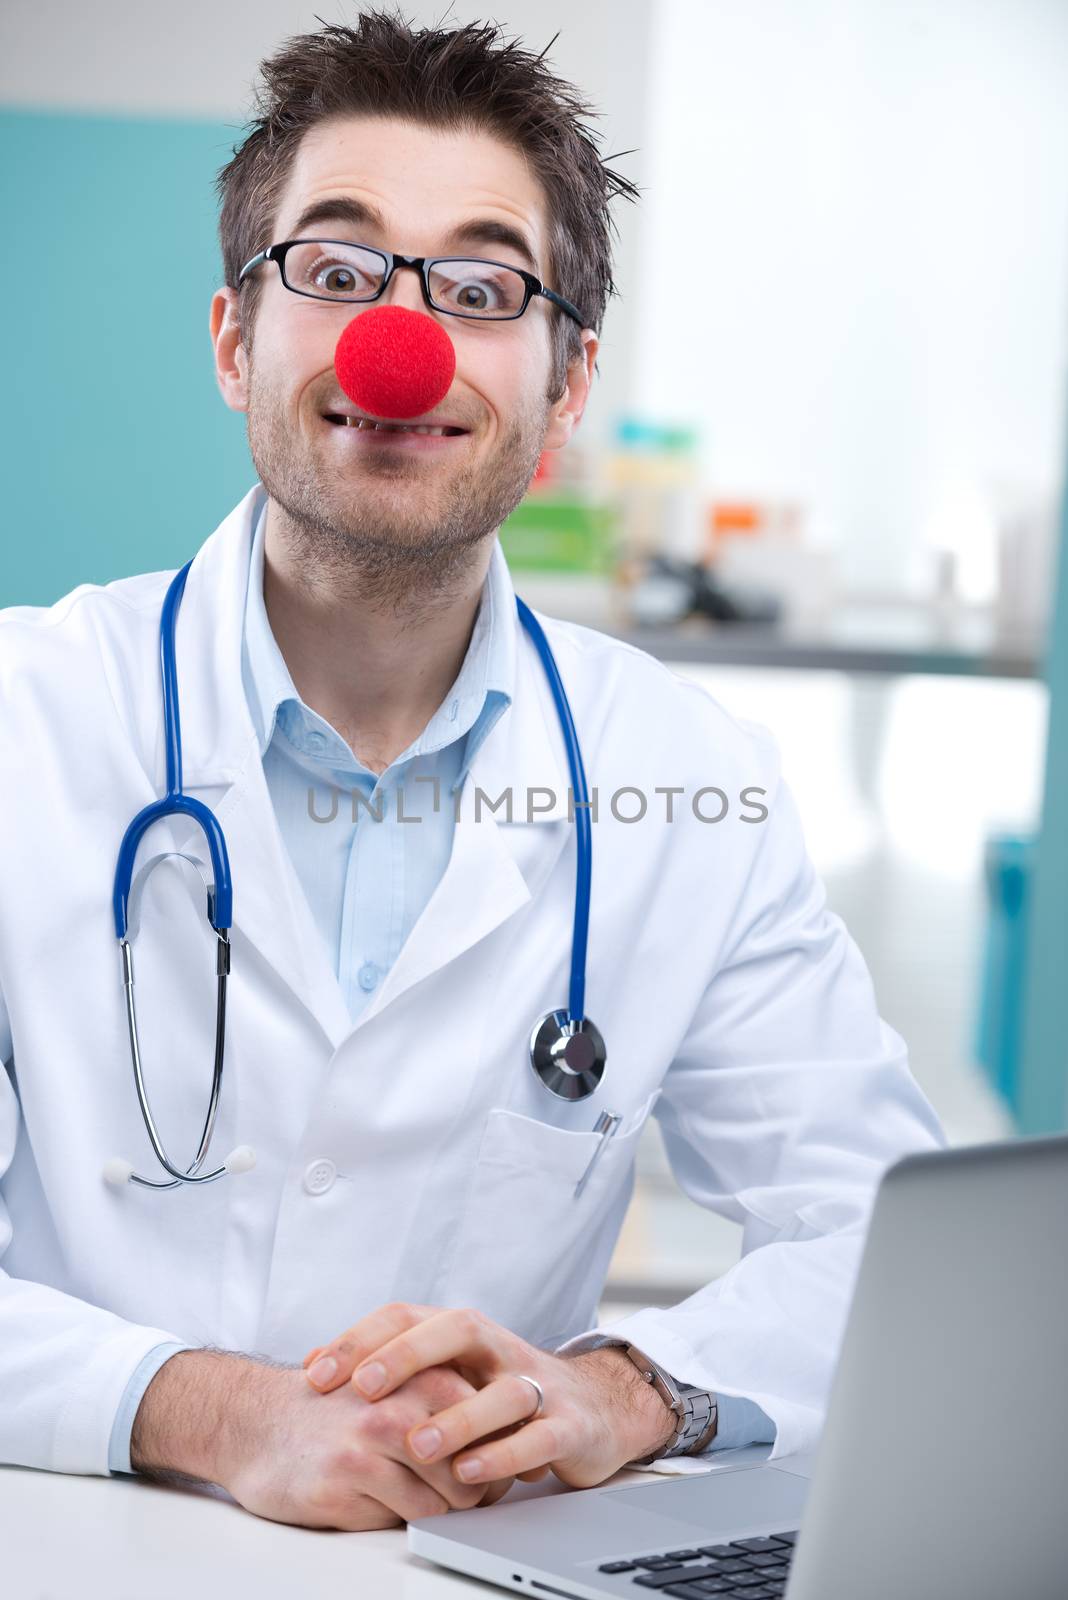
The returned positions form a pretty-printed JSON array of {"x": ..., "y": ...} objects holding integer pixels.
[{"x": 459, "y": 286}]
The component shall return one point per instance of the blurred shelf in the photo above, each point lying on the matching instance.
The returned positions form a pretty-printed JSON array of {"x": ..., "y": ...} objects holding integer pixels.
[
  {"x": 653, "y": 1292},
  {"x": 834, "y": 649},
  {"x": 884, "y": 634}
]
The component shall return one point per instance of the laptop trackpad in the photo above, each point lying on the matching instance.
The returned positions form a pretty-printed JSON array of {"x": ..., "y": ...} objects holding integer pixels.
[{"x": 723, "y": 1504}]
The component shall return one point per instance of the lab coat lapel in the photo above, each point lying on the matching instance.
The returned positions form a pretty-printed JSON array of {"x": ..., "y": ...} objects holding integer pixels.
[{"x": 271, "y": 911}]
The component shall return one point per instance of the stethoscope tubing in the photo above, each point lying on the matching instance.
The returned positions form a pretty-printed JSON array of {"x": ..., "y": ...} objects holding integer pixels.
[{"x": 584, "y": 837}]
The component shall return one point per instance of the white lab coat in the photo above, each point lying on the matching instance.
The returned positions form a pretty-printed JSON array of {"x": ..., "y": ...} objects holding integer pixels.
[{"x": 413, "y": 1156}]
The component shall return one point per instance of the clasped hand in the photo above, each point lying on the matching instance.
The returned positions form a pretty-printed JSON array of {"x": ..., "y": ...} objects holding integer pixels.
[{"x": 585, "y": 1433}]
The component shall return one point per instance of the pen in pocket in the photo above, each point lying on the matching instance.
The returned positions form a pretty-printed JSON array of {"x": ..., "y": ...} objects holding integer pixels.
[{"x": 606, "y": 1125}]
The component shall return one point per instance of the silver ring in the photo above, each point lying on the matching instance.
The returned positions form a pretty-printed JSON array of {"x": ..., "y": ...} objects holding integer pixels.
[{"x": 540, "y": 1407}]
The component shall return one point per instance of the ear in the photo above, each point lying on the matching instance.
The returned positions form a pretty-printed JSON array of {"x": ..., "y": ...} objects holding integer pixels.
[
  {"x": 231, "y": 357},
  {"x": 567, "y": 411}
]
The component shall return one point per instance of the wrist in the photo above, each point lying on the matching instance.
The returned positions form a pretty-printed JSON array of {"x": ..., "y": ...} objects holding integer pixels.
[
  {"x": 644, "y": 1422},
  {"x": 200, "y": 1415}
]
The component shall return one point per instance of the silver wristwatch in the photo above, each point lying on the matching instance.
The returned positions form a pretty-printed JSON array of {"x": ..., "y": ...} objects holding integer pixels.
[{"x": 695, "y": 1408}]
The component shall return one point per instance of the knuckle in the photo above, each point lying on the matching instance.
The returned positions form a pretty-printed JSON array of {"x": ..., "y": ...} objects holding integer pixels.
[
  {"x": 327, "y": 1501},
  {"x": 471, "y": 1320},
  {"x": 354, "y": 1460},
  {"x": 379, "y": 1425}
]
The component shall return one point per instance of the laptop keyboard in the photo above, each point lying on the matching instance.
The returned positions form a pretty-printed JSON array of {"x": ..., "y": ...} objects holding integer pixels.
[{"x": 746, "y": 1569}]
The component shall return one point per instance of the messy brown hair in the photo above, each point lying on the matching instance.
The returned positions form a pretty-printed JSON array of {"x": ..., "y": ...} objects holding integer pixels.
[{"x": 450, "y": 79}]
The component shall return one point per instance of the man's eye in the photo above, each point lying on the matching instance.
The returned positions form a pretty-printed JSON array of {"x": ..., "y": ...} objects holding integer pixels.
[
  {"x": 477, "y": 296},
  {"x": 338, "y": 277}
]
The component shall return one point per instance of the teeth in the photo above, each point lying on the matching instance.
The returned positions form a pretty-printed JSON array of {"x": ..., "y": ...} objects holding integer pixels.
[{"x": 390, "y": 427}]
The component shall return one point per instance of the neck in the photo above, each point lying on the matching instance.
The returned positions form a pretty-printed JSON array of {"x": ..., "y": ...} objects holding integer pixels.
[{"x": 373, "y": 637}]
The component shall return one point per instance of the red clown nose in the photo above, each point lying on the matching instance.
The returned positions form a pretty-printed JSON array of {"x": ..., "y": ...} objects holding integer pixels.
[{"x": 394, "y": 362}]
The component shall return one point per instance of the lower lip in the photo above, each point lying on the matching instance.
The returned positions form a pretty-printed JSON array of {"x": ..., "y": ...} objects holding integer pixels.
[{"x": 362, "y": 438}]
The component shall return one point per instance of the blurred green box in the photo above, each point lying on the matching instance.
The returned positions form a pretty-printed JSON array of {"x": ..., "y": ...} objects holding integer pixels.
[{"x": 551, "y": 533}]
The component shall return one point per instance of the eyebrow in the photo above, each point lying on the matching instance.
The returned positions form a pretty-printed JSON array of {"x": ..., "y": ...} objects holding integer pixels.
[{"x": 358, "y": 214}]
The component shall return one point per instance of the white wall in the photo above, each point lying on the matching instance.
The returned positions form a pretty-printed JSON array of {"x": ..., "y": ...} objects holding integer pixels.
[{"x": 876, "y": 193}]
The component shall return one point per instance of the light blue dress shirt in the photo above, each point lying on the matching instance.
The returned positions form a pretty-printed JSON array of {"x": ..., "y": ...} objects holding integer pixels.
[{"x": 367, "y": 881}]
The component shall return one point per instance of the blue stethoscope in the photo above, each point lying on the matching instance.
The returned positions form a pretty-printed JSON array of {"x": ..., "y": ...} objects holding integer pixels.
[{"x": 567, "y": 1052}]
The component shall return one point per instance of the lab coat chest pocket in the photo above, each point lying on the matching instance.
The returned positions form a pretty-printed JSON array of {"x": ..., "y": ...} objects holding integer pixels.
[{"x": 528, "y": 1251}]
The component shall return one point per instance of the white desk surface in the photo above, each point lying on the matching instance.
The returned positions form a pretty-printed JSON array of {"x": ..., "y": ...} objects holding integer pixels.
[{"x": 64, "y": 1537}]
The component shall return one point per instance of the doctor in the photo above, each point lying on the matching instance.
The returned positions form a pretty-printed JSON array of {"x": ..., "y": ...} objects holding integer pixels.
[{"x": 348, "y": 639}]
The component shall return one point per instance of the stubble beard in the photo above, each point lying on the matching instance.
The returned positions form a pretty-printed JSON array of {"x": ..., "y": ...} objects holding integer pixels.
[{"x": 394, "y": 530}]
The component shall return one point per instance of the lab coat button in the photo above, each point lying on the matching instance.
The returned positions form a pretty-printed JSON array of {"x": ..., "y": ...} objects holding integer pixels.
[{"x": 319, "y": 1176}]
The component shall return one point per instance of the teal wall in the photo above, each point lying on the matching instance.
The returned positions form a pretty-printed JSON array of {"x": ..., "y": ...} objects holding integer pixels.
[
  {"x": 1043, "y": 1106},
  {"x": 118, "y": 452}
]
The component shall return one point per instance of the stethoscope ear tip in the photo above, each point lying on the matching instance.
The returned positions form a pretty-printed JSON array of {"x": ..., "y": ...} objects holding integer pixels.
[
  {"x": 117, "y": 1172},
  {"x": 243, "y": 1159}
]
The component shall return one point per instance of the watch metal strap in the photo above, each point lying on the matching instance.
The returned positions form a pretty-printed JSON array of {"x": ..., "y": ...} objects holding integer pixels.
[{"x": 700, "y": 1425}]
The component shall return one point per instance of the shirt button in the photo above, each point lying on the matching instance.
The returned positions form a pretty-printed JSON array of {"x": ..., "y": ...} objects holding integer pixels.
[
  {"x": 316, "y": 740},
  {"x": 368, "y": 975},
  {"x": 319, "y": 1175}
]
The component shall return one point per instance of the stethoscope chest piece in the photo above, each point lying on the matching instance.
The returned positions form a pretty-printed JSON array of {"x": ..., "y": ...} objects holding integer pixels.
[{"x": 568, "y": 1057}]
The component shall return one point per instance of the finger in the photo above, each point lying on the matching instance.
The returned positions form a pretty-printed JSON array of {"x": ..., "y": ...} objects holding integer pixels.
[
  {"x": 446, "y": 1336},
  {"x": 362, "y": 1340},
  {"x": 439, "y": 1476},
  {"x": 311, "y": 1356},
  {"x": 534, "y": 1476},
  {"x": 538, "y": 1444},
  {"x": 506, "y": 1400},
  {"x": 402, "y": 1490}
]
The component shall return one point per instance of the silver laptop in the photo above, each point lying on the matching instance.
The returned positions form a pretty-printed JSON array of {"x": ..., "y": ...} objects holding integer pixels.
[{"x": 942, "y": 1472}]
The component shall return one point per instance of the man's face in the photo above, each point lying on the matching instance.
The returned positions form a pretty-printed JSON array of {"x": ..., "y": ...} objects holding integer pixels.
[{"x": 354, "y": 488}]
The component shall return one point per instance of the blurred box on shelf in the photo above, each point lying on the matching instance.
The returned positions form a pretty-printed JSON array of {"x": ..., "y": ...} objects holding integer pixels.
[
  {"x": 561, "y": 542},
  {"x": 761, "y": 547},
  {"x": 557, "y": 533},
  {"x": 652, "y": 478}
]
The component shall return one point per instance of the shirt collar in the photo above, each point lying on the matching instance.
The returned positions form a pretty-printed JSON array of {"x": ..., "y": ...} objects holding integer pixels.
[{"x": 480, "y": 693}]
